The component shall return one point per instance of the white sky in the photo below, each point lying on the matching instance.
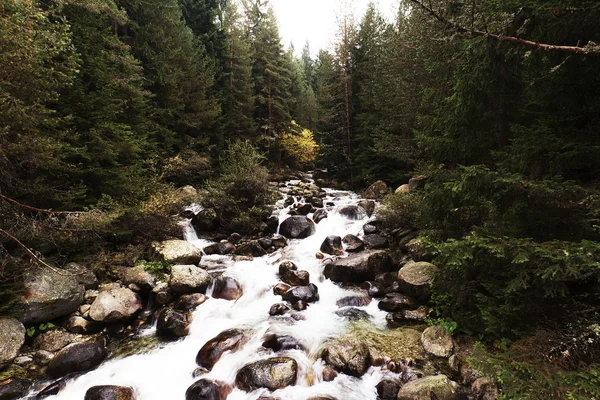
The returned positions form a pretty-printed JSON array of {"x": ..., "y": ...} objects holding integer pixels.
[{"x": 315, "y": 20}]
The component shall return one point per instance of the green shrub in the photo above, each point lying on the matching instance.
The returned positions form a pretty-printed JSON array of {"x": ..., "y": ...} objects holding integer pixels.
[
  {"x": 241, "y": 196},
  {"x": 402, "y": 210},
  {"x": 502, "y": 285}
]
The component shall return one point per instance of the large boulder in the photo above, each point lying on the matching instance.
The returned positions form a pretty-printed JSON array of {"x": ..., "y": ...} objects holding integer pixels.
[
  {"x": 47, "y": 296},
  {"x": 229, "y": 340},
  {"x": 368, "y": 206},
  {"x": 172, "y": 323},
  {"x": 374, "y": 241},
  {"x": 414, "y": 279},
  {"x": 208, "y": 390},
  {"x": 189, "y": 279},
  {"x": 110, "y": 392},
  {"x": 353, "y": 243},
  {"x": 77, "y": 357},
  {"x": 376, "y": 191},
  {"x": 332, "y": 245},
  {"x": 352, "y": 212},
  {"x": 177, "y": 252},
  {"x": 225, "y": 287},
  {"x": 349, "y": 357},
  {"x": 402, "y": 189},
  {"x": 115, "y": 305},
  {"x": 139, "y": 276},
  {"x": 297, "y": 227},
  {"x": 12, "y": 337},
  {"x": 281, "y": 343},
  {"x": 189, "y": 301},
  {"x": 273, "y": 373},
  {"x": 308, "y": 294},
  {"x": 359, "y": 267},
  {"x": 388, "y": 389},
  {"x": 12, "y": 389},
  {"x": 84, "y": 276},
  {"x": 426, "y": 388},
  {"x": 296, "y": 278},
  {"x": 54, "y": 340},
  {"x": 320, "y": 215},
  {"x": 437, "y": 341}
]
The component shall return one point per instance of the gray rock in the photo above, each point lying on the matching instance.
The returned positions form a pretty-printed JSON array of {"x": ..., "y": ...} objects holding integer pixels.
[
  {"x": 278, "y": 309},
  {"x": 388, "y": 389},
  {"x": 281, "y": 343},
  {"x": 139, "y": 276},
  {"x": 208, "y": 390},
  {"x": 296, "y": 278},
  {"x": 438, "y": 341},
  {"x": 425, "y": 388},
  {"x": 177, "y": 252},
  {"x": 354, "y": 301},
  {"x": 189, "y": 279},
  {"x": 23, "y": 360},
  {"x": 297, "y": 227},
  {"x": 307, "y": 294},
  {"x": 251, "y": 248},
  {"x": 352, "y": 212},
  {"x": 415, "y": 278},
  {"x": 48, "y": 295},
  {"x": 400, "y": 318},
  {"x": 115, "y": 305},
  {"x": 352, "y": 314},
  {"x": 84, "y": 276},
  {"x": 77, "y": 357},
  {"x": 171, "y": 323},
  {"x": 332, "y": 245},
  {"x": 273, "y": 373},
  {"x": 190, "y": 301},
  {"x": 110, "y": 392},
  {"x": 229, "y": 340},
  {"x": 349, "y": 357},
  {"x": 359, "y": 267},
  {"x": 396, "y": 302},
  {"x": 416, "y": 182},
  {"x": 353, "y": 243},
  {"x": 368, "y": 206},
  {"x": 374, "y": 241},
  {"x": 54, "y": 340},
  {"x": 225, "y": 287},
  {"x": 12, "y": 337},
  {"x": 402, "y": 189},
  {"x": 376, "y": 191},
  {"x": 43, "y": 357},
  {"x": 320, "y": 215}
]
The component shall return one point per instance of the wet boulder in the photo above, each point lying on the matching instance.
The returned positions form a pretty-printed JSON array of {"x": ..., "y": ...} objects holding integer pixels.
[
  {"x": 47, "y": 295},
  {"x": 205, "y": 389},
  {"x": 332, "y": 245},
  {"x": 329, "y": 374},
  {"x": 110, "y": 392},
  {"x": 272, "y": 224},
  {"x": 177, "y": 252},
  {"x": 374, "y": 289},
  {"x": 77, "y": 357},
  {"x": 281, "y": 343},
  {"x": 320, "y": 215},
  {"x": 437, "y": 341},
  {"x": 278, "y": 241},
  {"x": 13, "y": 388},
  {"x": 304, "y": 209},
  {"x": 83, "y": 326},
  {"x": 299, "y": 305},
  {"x": 272, "y": 373},
  {"x": 352, "y": 314},
  {"x": 52, "y": 389},
  {"x": 278, "y": 309},
  {"x": 370, "y": 228},
  {"x": 354, "y": 301},
  {"x": 281, "y": 288},
  {"x": 229, "y": 340},
  {"x": 12, "y": 337},
  {"x": 187, "y": 302},
  {"x": 374, "y": 241},
  {"x": 426, "y": 388},
  {"x": 368, "y": 206},
  {"x": 352, "y": 212},
  {"x": 225, "y": 287},
  {"x": 297, "y": 227},
  {"x": 287, "y": 266},
  {"x": 296, "y": 278},
  {"x": 308, "y": 294},
  {"x": 139, "y": 276},
  {"x": 353, "y": 243},
  {"x": 388, "y": 389},
  {"x": 376, "y": 191},
  {"x": 251, "y": 248},
  {"x": 189, "y": 279},
  {"x": 396, "y": 302},
  {"x": 115, "y": 305},
  {"x": 172, "y": 323},
  {"x": 205, "y": 221},
  {"x": 359, "y": 267},
  {"x": 349, "y": 357},
  {"x": 399, "y": 318},
  {"x": 414, "y": 279}
]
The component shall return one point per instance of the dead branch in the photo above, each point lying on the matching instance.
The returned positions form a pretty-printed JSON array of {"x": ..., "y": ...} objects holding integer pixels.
[
  {"x": 36, "y": 258},
  {"x": 590, "y": 49},
  {"x": 30, "y": 208}
]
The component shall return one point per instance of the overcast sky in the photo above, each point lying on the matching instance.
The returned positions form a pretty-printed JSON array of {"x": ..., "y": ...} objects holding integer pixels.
[{"x": 315, "y": 20}]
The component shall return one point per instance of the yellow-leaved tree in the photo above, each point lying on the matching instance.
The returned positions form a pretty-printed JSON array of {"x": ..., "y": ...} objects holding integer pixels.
[{"x": 299, "y": 146}]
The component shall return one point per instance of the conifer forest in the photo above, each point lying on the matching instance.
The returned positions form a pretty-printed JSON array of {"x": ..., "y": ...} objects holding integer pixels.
[{"x": 417, "y": 205}]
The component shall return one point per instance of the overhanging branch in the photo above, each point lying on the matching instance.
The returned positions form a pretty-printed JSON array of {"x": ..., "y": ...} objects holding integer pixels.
[{"x": 591, "y": 49}]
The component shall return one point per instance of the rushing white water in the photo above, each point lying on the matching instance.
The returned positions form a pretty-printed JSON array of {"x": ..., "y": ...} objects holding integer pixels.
[{"x": 166, "y": 372}]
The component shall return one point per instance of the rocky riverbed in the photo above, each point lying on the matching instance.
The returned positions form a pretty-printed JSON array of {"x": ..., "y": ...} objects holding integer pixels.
[{"x": 315, "y": 307}]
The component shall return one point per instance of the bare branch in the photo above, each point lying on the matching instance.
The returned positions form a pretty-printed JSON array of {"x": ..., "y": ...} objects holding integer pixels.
[
  {"x": 30, "y": 208},
  {"x": 591, "y": 49}
]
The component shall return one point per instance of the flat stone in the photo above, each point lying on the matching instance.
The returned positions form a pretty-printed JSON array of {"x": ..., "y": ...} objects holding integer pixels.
[
  {"x": 425, "y": 388},
  {"x": 115, "y": 305},
  {"x": 177, "y": 252},
  {"x": 189, "y": 279}
]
